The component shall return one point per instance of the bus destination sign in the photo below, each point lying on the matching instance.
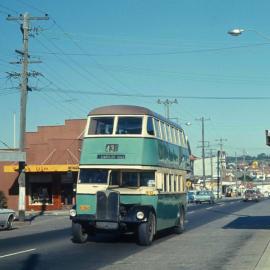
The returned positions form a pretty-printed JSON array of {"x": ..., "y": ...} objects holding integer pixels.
[{"x": 109, "y": 156}]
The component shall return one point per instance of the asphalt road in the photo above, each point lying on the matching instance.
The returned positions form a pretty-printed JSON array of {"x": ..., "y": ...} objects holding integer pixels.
[{"x": 227, "y": 235}]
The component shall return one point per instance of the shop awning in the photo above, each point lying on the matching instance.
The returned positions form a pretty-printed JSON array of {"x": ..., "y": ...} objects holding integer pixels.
[{"x": 43, "y": 168}]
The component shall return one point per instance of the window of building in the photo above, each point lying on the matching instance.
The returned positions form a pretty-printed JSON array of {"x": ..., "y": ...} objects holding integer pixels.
[
  {"x": 41, "y": 193},
  {"x": 101, "y": 125},
  {"x": 150, "y": 126},
  {"x": 129, "y": 125}
]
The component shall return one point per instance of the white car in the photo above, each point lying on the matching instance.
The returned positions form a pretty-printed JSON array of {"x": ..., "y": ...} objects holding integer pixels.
[{"x": 7, "y": 216}]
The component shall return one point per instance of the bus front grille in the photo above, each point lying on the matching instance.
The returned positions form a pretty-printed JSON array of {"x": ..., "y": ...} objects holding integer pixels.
[{"x": 107, "y": 205}]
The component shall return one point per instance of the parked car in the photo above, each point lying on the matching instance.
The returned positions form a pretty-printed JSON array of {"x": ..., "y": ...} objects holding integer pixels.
[
  {"x": 7, "y": 216},
  {"x": 204, "y": 196},
  {"x": 191, "y": 196},
  {"x": 252, "y": 195}
]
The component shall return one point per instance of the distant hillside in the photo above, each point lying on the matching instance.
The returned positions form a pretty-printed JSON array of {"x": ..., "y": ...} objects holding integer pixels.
[{"x": 261, "y": 157}]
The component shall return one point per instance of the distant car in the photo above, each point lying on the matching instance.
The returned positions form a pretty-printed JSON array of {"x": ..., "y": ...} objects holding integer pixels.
[
  {"x": 7, "y": 216},
  {"x": 191, "y": 196},
  {"x": 204, "y": 196},
  {"x": 252, "y": 195}
]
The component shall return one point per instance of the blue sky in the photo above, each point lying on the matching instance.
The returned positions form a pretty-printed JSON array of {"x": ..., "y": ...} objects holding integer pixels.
[{"x": 96, "y": 53}]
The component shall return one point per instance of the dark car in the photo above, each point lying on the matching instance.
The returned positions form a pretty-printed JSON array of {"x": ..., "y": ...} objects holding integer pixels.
[{"x": 252, "y": 195}]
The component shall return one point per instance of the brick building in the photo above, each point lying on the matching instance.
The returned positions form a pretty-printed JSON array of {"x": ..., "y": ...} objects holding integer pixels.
[{"x": 52, "y": 159}]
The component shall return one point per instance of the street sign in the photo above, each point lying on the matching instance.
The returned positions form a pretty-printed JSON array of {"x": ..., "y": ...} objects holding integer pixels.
[{"x": 8, "y": 155}]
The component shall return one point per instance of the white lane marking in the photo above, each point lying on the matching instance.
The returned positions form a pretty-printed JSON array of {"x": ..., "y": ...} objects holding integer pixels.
[
  {"x": 191, "y": 212},
  {"x": 209, "y": 207},
  {"x": 222, "y": 204},
  {"x": 232, "y": 202},
  {"x": 16, "y": 253}
]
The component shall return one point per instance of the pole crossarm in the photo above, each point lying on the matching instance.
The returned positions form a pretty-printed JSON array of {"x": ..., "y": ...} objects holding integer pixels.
[{"x": 167, "y": 103}]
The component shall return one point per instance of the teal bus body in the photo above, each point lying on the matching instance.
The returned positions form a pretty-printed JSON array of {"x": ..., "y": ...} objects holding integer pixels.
[
  {"x": 131, "y": 179},
  {"x": 165, "y": 205},
  {"x": 135, "y": 151}
]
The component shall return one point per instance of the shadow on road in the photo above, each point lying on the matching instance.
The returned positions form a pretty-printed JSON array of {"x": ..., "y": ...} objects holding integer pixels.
[
  {"x": 250, "y": 222},
  {"x": 31, "y": 263}
]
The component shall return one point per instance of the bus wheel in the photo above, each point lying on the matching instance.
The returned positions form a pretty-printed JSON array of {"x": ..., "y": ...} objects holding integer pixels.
[
  {"x": 78, "y": 233},
  {"x": 180, "y": 227},
  {"x": 146, "y": 231}
]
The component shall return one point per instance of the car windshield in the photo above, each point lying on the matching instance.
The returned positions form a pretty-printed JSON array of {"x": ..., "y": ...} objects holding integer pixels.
[
  {"x": 250, "y": 191},
  {"x": 93, "y": 176}
]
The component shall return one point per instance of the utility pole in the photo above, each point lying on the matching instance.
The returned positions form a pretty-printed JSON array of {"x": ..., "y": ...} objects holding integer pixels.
[
  {"x": 202, "y": 119},
  {"x": 235, "y": 174},
  {"x": 25, "y": 28},
  {"x": 220, "y": 163},
  {"x": 167, "y": 104},
  {"x": 212, "y": 167}
]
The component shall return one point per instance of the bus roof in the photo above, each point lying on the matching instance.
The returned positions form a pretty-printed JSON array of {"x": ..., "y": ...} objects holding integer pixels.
[{"x": 128, "y": 110}]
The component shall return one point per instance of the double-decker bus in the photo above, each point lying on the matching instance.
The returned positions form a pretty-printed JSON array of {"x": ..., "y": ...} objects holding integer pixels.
[{"x": 132, "y": 174}]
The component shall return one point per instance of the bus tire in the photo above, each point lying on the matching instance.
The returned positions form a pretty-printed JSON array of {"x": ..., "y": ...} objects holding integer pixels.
[
  {"x": 146, "y": 230},
  {"x": 79, "y": 234},
  {"x": 180, "y": 227}
]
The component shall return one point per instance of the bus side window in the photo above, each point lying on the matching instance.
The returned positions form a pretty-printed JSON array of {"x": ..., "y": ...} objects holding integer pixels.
[
  {"x": 163, "y": 131},
  {"x": 157, "y": 128},
  {"x": 170, "y": 183},
  {"x": 150, "y": 126},
  {"x": 183, "y": 183},
  {"x": 165, "y": 182},
  {"x": 175, "y": 183}
]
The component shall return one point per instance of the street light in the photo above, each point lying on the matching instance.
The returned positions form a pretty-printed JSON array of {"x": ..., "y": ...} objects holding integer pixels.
[{"x": 238, "y": 31}]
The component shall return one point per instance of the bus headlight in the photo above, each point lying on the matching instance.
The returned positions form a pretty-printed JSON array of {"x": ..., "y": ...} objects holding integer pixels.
[
  {"x": 140, "y": 215},
  {"x": 72, "y": 212}
]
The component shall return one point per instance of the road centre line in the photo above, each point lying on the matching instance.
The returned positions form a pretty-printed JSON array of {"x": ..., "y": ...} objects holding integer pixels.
[
  {"x": 209, "y": 207},
  {"x": 16, "y": 253}
]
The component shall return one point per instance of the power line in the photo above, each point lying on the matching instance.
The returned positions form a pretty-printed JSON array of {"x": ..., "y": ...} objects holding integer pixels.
[
  {"x": 166, "y": 53},
  {"x": 98, "y": 93}
]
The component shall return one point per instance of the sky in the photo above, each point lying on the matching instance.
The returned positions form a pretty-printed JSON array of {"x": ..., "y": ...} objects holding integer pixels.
[{"x": 97, "y": 53}]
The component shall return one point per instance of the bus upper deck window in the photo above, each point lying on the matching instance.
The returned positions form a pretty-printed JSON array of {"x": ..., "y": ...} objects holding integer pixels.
[
  {"x": 150, "y": 126},
  {"x": 101, "y": 125},
  {"x": 129, "y": 125}
]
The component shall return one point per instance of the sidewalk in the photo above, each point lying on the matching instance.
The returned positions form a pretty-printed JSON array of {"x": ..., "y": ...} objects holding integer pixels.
[
  {"x": 264, "y": 262},
  {"x": 32, "y": 215}
]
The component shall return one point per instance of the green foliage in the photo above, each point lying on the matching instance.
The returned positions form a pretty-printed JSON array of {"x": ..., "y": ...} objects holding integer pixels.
[{"x": 3, "y": 200}]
